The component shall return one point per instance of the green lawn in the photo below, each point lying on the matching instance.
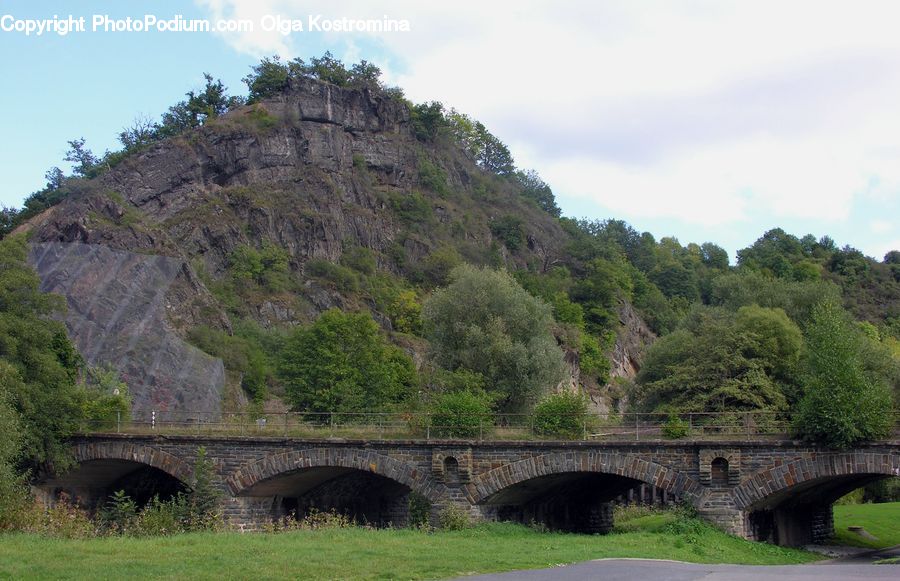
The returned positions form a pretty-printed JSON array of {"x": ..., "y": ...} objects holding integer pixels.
[
  {"x": 361, "y": 554},
  {"x": 881, "y": 520}
]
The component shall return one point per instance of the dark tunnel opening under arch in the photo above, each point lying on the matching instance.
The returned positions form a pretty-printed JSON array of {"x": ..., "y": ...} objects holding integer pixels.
[
  {"x": 90, "y": 484},
  {"x": 363, "y": 497},
  {"x": 803, "y": 514},
  {"x": 579, "y": 502}
]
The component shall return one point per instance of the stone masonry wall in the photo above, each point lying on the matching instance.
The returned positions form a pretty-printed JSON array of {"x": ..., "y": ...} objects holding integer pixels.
[{"x": 468, "y": 473}]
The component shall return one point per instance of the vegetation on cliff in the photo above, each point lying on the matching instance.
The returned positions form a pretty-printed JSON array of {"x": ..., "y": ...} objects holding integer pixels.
[{"x": 394, "y": 251}]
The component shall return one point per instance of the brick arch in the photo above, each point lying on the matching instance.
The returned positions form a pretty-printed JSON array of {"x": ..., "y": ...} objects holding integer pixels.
[
  {"x": 132, "y": 452},
  {"x": 274, "y": 465},
  {"x": 769, "y": 481},
  {"x": 627, "y": 465}
]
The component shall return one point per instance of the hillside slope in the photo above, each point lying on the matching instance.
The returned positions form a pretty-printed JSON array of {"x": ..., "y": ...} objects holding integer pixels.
[{"x": 318, "y": 179}]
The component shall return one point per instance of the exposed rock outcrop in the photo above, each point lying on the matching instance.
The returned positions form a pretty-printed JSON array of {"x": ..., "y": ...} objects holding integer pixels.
[{"x": 314, "y": 171}]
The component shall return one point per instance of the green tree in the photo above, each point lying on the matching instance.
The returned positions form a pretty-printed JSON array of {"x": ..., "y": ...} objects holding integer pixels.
[
  {"x": 720, "y": 361},
  {"x": 427, "y": 120},
  {"x": 86, "y": 163},
  {"x": 43, "y": 387},
  {"x": 12, "y": 487},
  {"x": 485, "y": 322},
  {"x": 343, "y": 363},
  {"x": 842, "y": 405},
  {"x": 537, "y": 190},
  {"x": 268, "y": 78}
]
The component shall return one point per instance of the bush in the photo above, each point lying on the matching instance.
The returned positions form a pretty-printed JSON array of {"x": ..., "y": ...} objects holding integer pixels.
[
  {"x": 251, "y": 351},
  {"x": 419, "y": 511},
  {"x": 460, "y": 414},
  {"x": 592, "y": 360},
  {"x": 343, "y": 278},
  {"x": 454, "y": 518},
  {"x": 313, "y": 520},
  {"x": 203, "y": 500},
  {"x": 412, "y": 208},
  {"x": 163, "y": 517},
  {"x": 675, "y": 428},
  {"x": 562, "y": 415},
  {"x": 119, "y": 514},
  {"x": 62, "y": 520},
  {"x": 508, "y": 229},
  {"x": 267, "y": 267},
  {"x": 360, "y": 259},
  {"x": 433, "y": 177},
  {"x": 106, "y": 400},
  {"x": 435, "y": 269},
  {"x": 886, "y": 490}
]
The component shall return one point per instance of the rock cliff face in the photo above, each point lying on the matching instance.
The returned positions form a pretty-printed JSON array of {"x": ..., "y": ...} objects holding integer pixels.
[
  {"x": 315, "y": 171},
  {"x": 116, "y": 316}
]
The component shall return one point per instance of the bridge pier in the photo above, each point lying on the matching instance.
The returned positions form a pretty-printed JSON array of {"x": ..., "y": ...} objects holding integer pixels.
[{"x": 792, "y": 526}]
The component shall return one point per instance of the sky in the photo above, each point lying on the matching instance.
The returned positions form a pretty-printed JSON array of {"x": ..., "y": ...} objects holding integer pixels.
[{"x": 704, "y": 120}]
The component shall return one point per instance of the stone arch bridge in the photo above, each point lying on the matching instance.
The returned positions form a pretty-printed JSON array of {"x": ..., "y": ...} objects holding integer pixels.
[{"x": 776, "y": 491}]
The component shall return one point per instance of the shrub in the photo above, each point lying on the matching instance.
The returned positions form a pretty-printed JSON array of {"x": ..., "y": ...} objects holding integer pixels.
[
  {"x": 436, "y": 267},
  {"x": 405, "y": 312},
  {"x": 360, "y": 259},
  {"x": 433, "y": 177},
  {"x": 267, "y": 267},
  {"x": 592, "y": 360},
  {"x": 106, "y": 400},
  {"x": 508, "y": 229},
  {"x": 62, "y": 520},
  {"x": 454, "y": 518},
  {"x": 460, "y": 414},
  {"x": 412, "y": 208},
  {"x": 313, "y": 520},
  {"x": 675, "y": 428},
  {"x": 419, "y": 510},
  {"x": 203, "y": 500},
  {"x": 119, "y": 514},
  {"x": 343, "y": 278},
  {"x": 562, "y": 415},
  {"x": 163, "y": 517},
  {"x": 251, "y": 351}
]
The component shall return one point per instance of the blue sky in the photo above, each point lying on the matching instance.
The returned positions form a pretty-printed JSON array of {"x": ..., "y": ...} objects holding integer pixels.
[{"x": 704, "y": 120}]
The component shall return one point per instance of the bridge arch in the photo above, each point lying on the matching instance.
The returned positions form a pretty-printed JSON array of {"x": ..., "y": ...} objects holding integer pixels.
[
  {"x": 571, "y": 491},
  {"x": 175, "y": 467},
  {"x": 101, "y": 468},
  {"x": 848, "y": 466},
  {"x": 791, "y": 504},
  {"x": 253, "y": 473},
  {"x": 633, "y": 467}
]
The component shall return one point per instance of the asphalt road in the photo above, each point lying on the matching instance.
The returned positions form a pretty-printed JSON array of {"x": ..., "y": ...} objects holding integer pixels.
[
  {"x": 636, "y": 569},
  {"x": 871, "y": 556}
]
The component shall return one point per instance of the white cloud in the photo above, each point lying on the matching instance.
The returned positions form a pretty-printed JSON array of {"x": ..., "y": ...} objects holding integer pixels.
[{"x": 704, "y": 112}]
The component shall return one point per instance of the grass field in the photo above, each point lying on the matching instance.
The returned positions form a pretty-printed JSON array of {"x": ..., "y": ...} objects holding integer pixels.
[
  {"x": 368, "y": 554},
  {"x": 880, "y": 520}
]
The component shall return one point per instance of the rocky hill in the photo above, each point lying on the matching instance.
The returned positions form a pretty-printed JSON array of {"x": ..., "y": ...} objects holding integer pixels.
[{"x": 308, "y": 188}]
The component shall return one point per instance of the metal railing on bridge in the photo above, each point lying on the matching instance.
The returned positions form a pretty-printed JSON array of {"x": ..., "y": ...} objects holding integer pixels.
[{"x": 494, "y": 427}]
